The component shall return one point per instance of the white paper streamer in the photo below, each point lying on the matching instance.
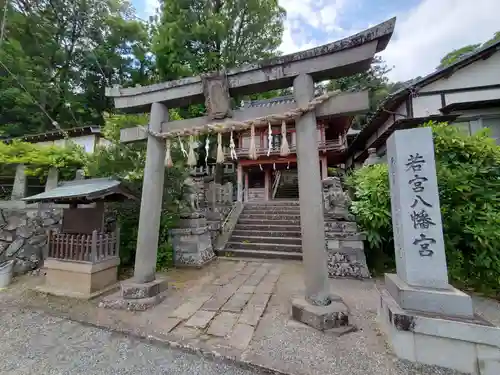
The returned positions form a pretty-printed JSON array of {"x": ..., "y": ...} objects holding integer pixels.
[
  {"x": 232, "y": 147},
  {"x": 269, "y": 138},
  {"x": 260, "y": 166},
  {"x": 183, "y": 150},
  {"x": 207, "y": 148}
]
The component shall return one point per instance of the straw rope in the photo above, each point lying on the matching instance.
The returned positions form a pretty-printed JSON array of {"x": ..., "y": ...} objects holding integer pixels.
[{"x": 232, "y": 125}]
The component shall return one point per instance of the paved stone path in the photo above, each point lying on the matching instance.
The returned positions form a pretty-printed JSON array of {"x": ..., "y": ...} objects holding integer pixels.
[
  {"x": 35, "y": 343},
  {"x": 241, "y": 310},
  {"x": 230, "y": 307}
]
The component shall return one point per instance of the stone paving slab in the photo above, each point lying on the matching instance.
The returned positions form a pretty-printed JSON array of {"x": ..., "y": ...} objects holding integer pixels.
[
  {"x": 186, "y": 310},
  {"x": 265, "y": 287},
  {"x": 222, "y": 324},
  {"x": 200, "y": 319},
  {"x": 251, "y": 315},
  {"x": 236, "y": 302},
  {"x": 246, "y": 289},
  {"x": 241, "y": 336}
]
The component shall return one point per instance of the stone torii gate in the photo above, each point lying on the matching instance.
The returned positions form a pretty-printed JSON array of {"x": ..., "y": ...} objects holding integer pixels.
[{"x": 341, "y": 58}]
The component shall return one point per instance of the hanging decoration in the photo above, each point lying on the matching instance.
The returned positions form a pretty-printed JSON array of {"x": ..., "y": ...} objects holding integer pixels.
[
  {"x": 220, "y": 151},
  {"x": 269, "y": 138},
  {"x": 207, "y": 149},
  {"x": 191, "y": 155},
  {"x": 274, "y": 166},
  {"x": 260, "y": 166},
  {"x": 285, "y": 149},
  {"x": 181, "y": 145},
  {"x": 232, "y": 147},
  {"x": 288, "y": 166},
  {"x": 168, "y": 156},
  {"x": 252, "y": 152}
]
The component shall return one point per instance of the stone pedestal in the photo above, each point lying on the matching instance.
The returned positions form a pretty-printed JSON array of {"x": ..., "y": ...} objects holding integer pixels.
[
  {"x": 192, "y": 242},
  {"x": 79, "y": 279},
  {"x": 345, "y": 250},
  {"x": 425, "y": 318},
  {"x": 344, "y": 243}
]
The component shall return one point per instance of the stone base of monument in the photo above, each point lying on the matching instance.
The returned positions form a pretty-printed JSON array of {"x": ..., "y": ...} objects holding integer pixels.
[
  {"x": 330, "y": 317},
  {"x": 192, "y": 242},
  {"x": 449, "y": 302},
  {"x": 345, "y": 250},
  {"x": 136, "y": 296},
  {"x": 466, "y": 344}
]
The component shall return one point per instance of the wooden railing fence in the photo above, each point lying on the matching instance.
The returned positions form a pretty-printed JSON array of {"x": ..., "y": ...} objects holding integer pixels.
[{"x": 93, "y": 247}]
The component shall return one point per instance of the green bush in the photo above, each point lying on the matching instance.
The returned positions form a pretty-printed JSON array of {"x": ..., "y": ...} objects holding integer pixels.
[{"x": 468, "y": 170}]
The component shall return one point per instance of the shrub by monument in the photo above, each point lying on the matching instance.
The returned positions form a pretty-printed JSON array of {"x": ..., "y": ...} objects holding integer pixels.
[{"x": 468, "y": 170}]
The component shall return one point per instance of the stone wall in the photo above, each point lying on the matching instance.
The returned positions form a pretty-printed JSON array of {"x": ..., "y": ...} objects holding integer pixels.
[{"x": 23, "y": 234}]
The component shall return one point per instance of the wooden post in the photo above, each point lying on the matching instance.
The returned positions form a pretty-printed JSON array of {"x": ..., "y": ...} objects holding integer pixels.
[
  {"x": 94, "y": 255},
  {"x": 117, "y": 246},
  {"x": 49, "y": 252}
]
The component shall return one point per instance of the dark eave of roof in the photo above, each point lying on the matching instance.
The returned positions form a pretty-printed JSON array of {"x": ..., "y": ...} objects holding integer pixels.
[
  {"x": 406, "y": 123},
  {"x": 394, "y": 100},
  {"x": 268, "y": 102},
  {"x": 464, "y": 106},
  {"x": 56, "y": 134}
]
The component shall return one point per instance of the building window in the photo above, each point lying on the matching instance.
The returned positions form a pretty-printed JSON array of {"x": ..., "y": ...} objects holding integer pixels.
[
  {"x": 463, "y": 126},
  {"x": 494, "y": 125}
]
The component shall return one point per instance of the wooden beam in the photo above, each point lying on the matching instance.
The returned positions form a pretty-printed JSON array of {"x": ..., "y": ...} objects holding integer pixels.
[
  {"x": 345, "y": 104},
  {"x": 340, "y": 58}
]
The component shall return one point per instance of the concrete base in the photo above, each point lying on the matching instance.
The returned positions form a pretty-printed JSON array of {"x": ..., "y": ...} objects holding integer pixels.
[
  {"x": 448, "y": 302},
  {"x": 469, "y": 345},
  {"x": 323, "y": 318},
  {"x": 79, "y": 279},
  {"x": 136, "y": 296}
]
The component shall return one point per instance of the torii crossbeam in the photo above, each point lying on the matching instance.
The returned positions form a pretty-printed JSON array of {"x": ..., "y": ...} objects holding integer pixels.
[{"x": 341, "y": 58}]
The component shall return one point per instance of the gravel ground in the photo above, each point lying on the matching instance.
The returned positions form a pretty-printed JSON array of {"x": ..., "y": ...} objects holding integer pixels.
[{"x": 35, "y": 343}]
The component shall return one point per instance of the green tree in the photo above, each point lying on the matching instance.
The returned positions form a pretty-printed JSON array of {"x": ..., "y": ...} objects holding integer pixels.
[
  {"x": 57, "y": 57},
  {"x": 468, "y": 174},
  {"x": 459, "y": 53},
  {"x": 195, "y": 36}
]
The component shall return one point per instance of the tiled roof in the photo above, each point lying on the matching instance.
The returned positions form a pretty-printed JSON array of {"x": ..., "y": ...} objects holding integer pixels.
[{"x": 267, "y": 102}]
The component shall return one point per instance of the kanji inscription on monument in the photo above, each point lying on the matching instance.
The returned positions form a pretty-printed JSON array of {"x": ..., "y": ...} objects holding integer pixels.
[{"x": 416, "y": 215}]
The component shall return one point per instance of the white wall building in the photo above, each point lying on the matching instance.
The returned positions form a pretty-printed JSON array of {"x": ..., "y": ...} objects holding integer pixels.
[{"x": 465, "y": 94}]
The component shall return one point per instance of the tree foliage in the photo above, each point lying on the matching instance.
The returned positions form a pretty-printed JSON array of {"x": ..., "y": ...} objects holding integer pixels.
[
  {"x": 59, "y": 55},
  {"x": 468, "y": 170},
  {"x": 460, "y": 53},
  {"x": 195, "y": 36}
]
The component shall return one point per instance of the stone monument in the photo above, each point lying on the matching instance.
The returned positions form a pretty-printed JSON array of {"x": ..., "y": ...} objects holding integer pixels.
[
  {"x": 344, "y": 243},
  {"x": 427, "y": 320},
  {"x": 191, "y": 242}
]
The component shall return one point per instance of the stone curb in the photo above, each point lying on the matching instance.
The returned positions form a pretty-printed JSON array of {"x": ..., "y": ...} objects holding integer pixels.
[{"x": 177, "y": 345}]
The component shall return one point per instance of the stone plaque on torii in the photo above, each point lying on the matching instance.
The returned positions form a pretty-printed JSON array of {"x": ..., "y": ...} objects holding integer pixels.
[{"x": 341, "y": 58}]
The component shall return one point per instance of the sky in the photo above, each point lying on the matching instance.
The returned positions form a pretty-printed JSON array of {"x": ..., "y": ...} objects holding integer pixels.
[{"x": 425, "y": 29}]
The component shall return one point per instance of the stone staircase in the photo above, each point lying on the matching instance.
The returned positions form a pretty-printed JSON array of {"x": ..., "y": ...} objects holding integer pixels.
[
  {"x": 267, "y": 230},
  {"x": 287, "y": 191}
]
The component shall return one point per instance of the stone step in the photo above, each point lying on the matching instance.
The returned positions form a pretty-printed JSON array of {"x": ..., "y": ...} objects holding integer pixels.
[
  {"x": 265, "y": 232},
  {"x": 268, "y": 222},
  {"x": 265, "y": 246},
  {"x": 266, "y": 240},
  {"x": 274, "y": 203},
  {"x": 278, "y": 216},
  {"x": 245, "y": 253},
  {"x": 257, "y": 227},
  {"x": 282, "y": 211}
]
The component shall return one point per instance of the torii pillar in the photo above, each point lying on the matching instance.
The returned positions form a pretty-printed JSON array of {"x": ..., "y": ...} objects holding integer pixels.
[{"x": 318, "y": 307}]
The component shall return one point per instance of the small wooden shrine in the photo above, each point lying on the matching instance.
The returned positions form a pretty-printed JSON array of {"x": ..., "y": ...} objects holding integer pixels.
[{"x": 83, "y": 255}]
